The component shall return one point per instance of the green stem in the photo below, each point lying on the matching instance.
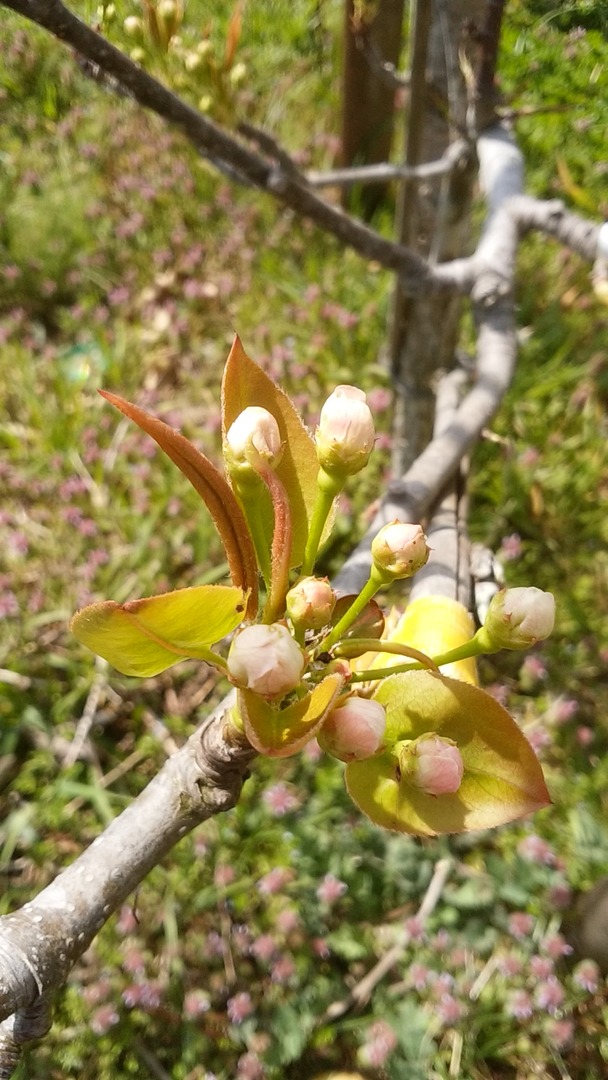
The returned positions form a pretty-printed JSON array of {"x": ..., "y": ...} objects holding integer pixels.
[
  {"x": 250, "y": 493},
  {"x": 476, "y": 646},
  {"x": 367, "y": 593},
  {"x": 358, "y": 646},
  {"x": 327, "y": 490}
]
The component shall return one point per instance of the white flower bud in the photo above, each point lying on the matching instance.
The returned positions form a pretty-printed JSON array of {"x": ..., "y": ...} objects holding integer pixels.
[
  {"x": 254, "y": 439},
  {"x": 400, "y": 549},
  {"x": 433, "y": 764},
  {"x": 266, "y": 659},
  {"x": 346, "y": 433},
  {"x": 518, "y": 618},
  {"x": 354, "y": 730},
  {"x": 310, "y": 603}
]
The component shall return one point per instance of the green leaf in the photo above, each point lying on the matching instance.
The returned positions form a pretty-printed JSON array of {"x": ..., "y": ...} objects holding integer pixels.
[
  {"x": 144, "y": 637},
  {"x": 245, "y": 384},
  {"x": 502, "y": 777},
  {"x": 278, "y": 732}
]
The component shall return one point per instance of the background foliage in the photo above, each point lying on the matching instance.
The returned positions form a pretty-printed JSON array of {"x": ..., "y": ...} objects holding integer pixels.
[{"x": 127, "y": 262}]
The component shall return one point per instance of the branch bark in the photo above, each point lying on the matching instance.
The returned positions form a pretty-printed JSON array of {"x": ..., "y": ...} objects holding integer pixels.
[{"x": 40, "y": 943}]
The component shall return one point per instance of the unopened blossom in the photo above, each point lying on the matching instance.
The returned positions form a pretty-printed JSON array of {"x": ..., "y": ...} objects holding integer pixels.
[
  {"x": 310, "y": 603},
  {"x": 254, "y": 439},
  {"x": 345, "y": 435},
  {"x": 399, "y": 549},
  {"x": 266, "y": 659},
  {"x": 518, "y": 618},
  {"x": 354, "y": 730},
  {"x": 433, "y": 764}
]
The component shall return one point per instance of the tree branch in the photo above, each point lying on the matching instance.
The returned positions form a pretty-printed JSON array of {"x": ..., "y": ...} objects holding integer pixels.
[
  {"x": 40, "y": 943},
  {"x": 221, "y": 147}
]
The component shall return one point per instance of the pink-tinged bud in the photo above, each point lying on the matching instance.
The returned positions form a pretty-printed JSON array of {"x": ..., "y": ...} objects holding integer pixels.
[
  {"x": 518, "y": 618},
  {"x": 433, "y": 764},
  {"x": 310, "y": 603},
  {"x": 399, "y": 549},
  {"x": 266, "y": 659},
  {"x": 354, "y": 730},
  {"x": 254, "y": 439},
  {"x": 346, "y": 433}
]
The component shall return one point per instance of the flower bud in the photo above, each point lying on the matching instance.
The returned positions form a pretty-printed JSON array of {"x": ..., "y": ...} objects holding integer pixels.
[
  {"x": 433, "y": 764},
  {"x": 266, "y": 659},
  {"x": 346, "y": 433},
  {"x": 399, "y": 549},
  {"x": 354, "y": 730},
  {"x": 310, "y": 603},
  {"x": 133, "y": 26},
  {"x": 518, "y": 618},
  {"x": 254, "y": 439}
]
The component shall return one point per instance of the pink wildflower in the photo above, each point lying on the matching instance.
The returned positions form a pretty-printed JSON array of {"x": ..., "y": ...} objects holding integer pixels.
[
  {"x": 534, "y": 849},
  {"x": 521, "y": 924},
  {"x": 519, "y": 1005},
  {"x": 556, "y": 946},
  {"x": 449, "y": 1010},
  {"x": 549, "y": 995},
  {"x": 587, "y": 975},
  {"x": 275, "y": 880},
  {"x": 280, "y": 799},
  {"x": 331, "y": 889},
  {"x": 239, "y": 1007}
]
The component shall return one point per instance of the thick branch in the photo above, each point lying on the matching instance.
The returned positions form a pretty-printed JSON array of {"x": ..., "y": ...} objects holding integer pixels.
[{"x": 41, "y": 942}]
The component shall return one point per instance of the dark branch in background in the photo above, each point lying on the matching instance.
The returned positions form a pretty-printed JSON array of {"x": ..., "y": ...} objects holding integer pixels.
[
  {"x": 286, "y": 184},
  {"x": 220, "y": 147},
  {"x": 485, "y": 83}
]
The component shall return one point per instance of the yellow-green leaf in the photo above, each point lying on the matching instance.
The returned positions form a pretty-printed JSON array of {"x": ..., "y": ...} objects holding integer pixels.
[
  {"x": 502, "y": 776},
  {"x": 280, "y": 732},
  {"x": 144, "y": 637},
  {"x": 245, "y": 384},
  {"x": 435, "y": 624}
]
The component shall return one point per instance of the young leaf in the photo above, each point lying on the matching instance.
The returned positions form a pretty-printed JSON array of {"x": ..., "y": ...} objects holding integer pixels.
[
  {"x": 144, "y": 637},
  {"x": 245, "y": 384},
  {"x": 502, "y": 777},
  {"x": 214, "y": 490},
  {"x": 279, "y": 732}
]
